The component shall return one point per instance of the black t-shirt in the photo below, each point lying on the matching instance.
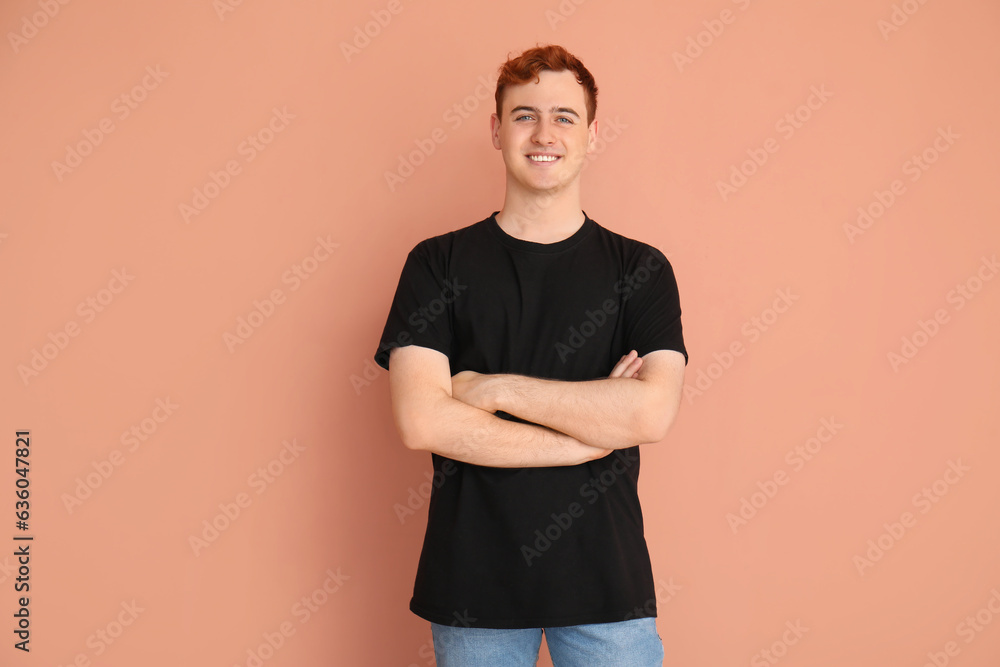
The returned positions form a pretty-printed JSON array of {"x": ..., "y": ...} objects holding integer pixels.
[{"x": 534, "y": 547}]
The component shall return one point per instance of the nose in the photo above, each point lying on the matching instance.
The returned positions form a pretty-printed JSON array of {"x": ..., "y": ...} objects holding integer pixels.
[{"x": 543, "y": 133}]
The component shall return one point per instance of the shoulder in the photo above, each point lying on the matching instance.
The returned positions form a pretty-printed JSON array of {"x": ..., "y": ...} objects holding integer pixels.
[
  {"x": 633, "y": 252},
  {"x": 442, "y": 245}
]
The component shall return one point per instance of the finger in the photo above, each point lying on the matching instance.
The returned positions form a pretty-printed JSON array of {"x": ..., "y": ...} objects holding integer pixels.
[
  {"x": 621, "y": 367},
  {"x": 631, "y": 365}
]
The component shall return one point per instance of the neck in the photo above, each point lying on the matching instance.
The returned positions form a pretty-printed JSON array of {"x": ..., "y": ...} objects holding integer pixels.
[{"x": 541, "y": 217}]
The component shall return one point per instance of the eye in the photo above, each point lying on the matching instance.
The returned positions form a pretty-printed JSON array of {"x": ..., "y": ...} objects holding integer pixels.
[
  {"x": 567, "y": 119},
  {"x": 523, "y": 116}
]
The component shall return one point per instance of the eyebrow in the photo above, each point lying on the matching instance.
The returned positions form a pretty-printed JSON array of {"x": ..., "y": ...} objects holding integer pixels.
[{"x": 534, "y": 110}]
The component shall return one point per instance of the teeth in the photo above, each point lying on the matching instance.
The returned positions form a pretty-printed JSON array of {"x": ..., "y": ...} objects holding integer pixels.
[{"x": 544, "y": 158}]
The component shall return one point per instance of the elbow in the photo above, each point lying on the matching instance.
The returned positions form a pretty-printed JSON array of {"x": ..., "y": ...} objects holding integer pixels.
[
  {"x": 418, "y": 421},
  {"x": 412, "y": 432},
  {"x": 655, "y": 422},
  {"x": 660, "y": 432},
  {"x": 650, "y": 434},
  {"x": 418, "y": 439},
  {"x": 411, "y": 442}
]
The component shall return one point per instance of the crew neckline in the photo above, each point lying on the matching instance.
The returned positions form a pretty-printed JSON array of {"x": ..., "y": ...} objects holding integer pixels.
[{"x": 534, "y": 246}]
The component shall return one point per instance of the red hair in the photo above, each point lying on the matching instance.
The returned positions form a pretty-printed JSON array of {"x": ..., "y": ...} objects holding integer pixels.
[{"x": 525, "y": 68}]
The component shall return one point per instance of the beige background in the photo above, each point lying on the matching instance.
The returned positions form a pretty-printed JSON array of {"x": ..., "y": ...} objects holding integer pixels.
[{"x": 95, "y": 184}]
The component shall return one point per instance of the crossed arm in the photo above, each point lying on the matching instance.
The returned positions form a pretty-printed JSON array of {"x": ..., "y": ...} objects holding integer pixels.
[{"x": 573, "y": 421}]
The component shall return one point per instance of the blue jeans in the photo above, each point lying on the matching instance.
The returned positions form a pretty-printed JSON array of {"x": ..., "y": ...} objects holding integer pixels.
[{"x": 634, "y": 643}]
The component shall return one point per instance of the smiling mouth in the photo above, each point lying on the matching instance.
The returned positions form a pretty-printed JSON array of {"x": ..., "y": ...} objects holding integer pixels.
[{"x": 544, "y": 159}]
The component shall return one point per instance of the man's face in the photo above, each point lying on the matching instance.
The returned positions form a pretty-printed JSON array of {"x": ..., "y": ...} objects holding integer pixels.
[{"x": 543, "y": 134}]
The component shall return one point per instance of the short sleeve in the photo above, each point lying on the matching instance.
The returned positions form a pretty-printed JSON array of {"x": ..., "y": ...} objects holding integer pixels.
[
  {"x": 652, "y": 309},
  {"x": 421, "y": 310}
]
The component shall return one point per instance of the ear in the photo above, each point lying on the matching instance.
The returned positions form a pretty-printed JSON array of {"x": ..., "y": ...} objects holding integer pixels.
[
  {"x": 495, "y": 130},
  {"x": 592, "y": 138}
]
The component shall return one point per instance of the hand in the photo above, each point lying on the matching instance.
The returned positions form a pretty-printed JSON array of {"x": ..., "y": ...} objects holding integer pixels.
[
  {"x": 472, "y": 388},
  {"x": 627, "y": 366}
]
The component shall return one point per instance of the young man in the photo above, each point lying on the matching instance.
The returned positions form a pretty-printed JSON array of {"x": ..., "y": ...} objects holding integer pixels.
[{"x": 532, "y": 353}]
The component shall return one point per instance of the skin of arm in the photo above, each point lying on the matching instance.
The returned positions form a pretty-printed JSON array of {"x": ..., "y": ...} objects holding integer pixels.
[
  {"x": 610, "y": 413},
  {"x": 429, "y": 418}
]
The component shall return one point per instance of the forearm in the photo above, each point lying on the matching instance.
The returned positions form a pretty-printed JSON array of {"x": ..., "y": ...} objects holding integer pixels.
[
  {"x": 607, "y": 413},
  {"x": 466, "y": 433}
]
